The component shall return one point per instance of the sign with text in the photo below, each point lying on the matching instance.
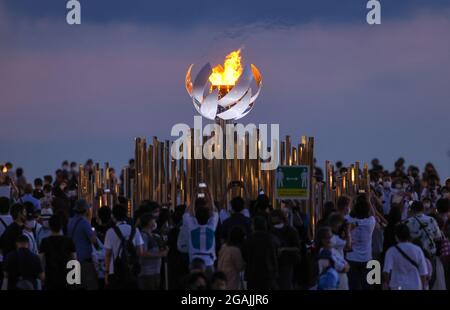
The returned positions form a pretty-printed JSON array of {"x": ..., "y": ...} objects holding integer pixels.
[{"x": 292, "y": 182}]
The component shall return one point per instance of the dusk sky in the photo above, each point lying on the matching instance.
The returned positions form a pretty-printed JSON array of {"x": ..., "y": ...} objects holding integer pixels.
[{"x": 85, "y": 91}]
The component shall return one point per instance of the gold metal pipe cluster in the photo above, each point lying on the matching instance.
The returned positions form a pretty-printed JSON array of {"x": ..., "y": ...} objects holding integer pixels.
[
  {"x": 156, "y": 176},
  {"x": 350, "y": 183}
]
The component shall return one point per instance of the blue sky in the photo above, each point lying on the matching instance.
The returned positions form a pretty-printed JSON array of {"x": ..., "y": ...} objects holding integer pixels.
[{"x": 78, "y": 92}]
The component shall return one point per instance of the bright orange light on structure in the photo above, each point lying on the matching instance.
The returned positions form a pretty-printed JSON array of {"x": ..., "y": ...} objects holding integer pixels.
[
  {"x": 229, "y": 73},
  {"x": 5, "y": 169}
]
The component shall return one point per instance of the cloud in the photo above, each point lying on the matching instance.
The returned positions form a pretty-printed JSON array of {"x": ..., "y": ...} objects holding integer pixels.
[{"x": 86, "y": 91}]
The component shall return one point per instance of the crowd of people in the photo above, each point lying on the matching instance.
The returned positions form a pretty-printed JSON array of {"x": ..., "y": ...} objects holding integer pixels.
[{"x": 402, "y": 223}]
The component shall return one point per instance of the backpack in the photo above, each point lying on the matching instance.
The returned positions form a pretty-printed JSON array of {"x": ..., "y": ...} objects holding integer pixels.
[
  {"x": 328, "y": 279},
  {"x": 126, "y": 264}
]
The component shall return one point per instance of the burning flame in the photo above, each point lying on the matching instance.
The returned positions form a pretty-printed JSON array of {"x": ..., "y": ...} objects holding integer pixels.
[
  {"x": 230, "y": 73},
  {"x": 5, "y": 169}
]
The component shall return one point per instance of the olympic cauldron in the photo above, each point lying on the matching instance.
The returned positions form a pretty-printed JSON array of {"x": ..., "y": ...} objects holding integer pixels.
[{"x": 226, "y": 92}]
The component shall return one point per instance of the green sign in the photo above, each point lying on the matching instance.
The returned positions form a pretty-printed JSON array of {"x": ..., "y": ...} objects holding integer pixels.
[{"x": 292, "y": 182}]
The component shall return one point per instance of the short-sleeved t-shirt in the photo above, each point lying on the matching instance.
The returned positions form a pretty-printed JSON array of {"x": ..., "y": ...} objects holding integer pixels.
[
  {"x": 338, "y": 244},
  {"x": 426, "y": 229},
  {"x": 57, "y": 251},
  {"x": 81, "y": 236},
  {"x": 202, "y": 239},
  {"x": 361, "y": 239},
  {"x": 112, "y": 241},
  {"x": 404, "y": 275},
  {"x": 152, "y": 243}
]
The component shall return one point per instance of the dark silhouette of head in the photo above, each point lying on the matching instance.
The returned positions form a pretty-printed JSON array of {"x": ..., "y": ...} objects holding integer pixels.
[
  {"x": 120, "y": 212},
  {"x": 402, "y": 232},
  {"x": 202, "y": 212},
  {"x": 237, "y": 204}
]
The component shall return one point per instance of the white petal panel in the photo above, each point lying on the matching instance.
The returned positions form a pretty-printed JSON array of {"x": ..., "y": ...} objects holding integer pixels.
[
  {"x": 201, "y": 82},
  {"x": 238, "y": 90},
  {"x": 236, "y": 111},
  {"x": 208, "y": 108}
]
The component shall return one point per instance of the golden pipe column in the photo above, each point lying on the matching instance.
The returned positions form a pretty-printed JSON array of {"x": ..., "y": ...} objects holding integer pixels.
[
  {"x": 357, "y": 177},
  {"x": 366, "y": 178},
  {"x": 313, "y": 216}
]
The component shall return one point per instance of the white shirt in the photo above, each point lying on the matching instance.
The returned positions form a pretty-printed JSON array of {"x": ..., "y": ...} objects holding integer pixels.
[
  {"x": 404, "y": 275},
  {"x": 338, "y": 244},
  {"x": 339, "y": 261},
  {"x": 361, "y": 239},
  {"x": 202, "y": 240},
  {"x": 112, "y": 241}
]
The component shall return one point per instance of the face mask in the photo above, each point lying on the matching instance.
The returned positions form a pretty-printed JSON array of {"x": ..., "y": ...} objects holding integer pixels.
[
  {"x": 387, "y": 184},
  {"x": 30, "y": 224},
  {"x": 154, "y": 226},
  {"x": 426, "y": 205},
  {"x": 278, "y": 225}
]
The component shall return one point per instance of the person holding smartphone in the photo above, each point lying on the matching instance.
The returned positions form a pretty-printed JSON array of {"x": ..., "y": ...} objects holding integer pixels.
[{"x": 200, "y": 224}]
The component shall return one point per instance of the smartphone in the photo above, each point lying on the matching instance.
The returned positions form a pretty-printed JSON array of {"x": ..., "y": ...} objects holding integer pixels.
[
  {"x": 107, "y": 190},
  {"x": 202, "y": 185}
]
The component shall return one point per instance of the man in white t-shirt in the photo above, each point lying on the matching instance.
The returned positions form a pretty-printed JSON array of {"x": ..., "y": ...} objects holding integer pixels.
[
  {"x": 405, "y": 267},
  {"x": 423, "y": 227},
  {"x": 113, "y": 246}
]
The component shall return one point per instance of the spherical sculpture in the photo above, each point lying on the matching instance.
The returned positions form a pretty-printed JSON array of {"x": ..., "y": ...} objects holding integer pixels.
[{"x": 224, "y": 92}]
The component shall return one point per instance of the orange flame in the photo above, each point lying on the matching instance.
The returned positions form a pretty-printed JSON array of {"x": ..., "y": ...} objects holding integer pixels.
[{"x": 229, "y": 73}]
